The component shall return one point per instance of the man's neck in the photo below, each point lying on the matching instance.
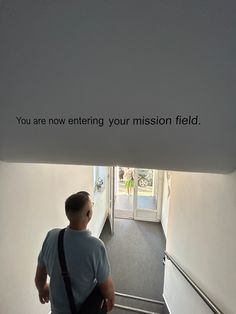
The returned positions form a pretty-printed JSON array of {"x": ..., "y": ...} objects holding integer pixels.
[{"x": 78, "y": 226}]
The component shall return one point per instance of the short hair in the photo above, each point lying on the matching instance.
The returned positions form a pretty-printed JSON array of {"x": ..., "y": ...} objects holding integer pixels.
[{"x": 76, "y": 202}]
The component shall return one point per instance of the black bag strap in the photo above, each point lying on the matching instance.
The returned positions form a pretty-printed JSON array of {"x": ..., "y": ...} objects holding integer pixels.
[{"x": 64, "y": 271}]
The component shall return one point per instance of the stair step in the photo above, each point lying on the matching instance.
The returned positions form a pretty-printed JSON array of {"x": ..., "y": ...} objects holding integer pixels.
[
  {"x": 135, "y": 305},
  {"x": 133, "y": 309}
]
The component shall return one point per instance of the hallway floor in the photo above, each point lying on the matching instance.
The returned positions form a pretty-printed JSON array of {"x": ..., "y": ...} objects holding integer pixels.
[{"x": 136, "y": 251}]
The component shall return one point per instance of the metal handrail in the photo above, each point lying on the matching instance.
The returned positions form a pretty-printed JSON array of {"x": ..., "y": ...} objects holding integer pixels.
[
  {"x": 129, "y": 296},
  {"x": 201, "y": 293}
]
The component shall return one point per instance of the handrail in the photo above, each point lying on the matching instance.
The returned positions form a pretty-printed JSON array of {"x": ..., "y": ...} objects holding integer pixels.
[
  {"x": 202, "y": 294},
  {"x": 129, "y": 296}
]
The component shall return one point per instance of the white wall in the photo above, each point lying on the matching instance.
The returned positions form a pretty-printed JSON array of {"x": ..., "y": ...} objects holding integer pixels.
[
  {"x": 32, "y": 200},
  {"x": 101, "y": 200},
  {"x": 201, "y": 237}
]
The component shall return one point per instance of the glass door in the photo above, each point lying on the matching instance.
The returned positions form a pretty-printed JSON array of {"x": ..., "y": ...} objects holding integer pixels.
[
  {"x": 146, "y": 194},
  {"x": 123, "y": 192},
  {"x": 137, "y": 193}
]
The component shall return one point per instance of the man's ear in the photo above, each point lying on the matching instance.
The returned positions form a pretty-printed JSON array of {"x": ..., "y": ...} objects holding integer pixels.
[{"x": 89, "y": 214}]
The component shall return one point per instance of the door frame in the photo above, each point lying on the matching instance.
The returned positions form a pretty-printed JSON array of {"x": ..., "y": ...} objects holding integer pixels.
[
  {"x": 111, "y": 198},
  {"x": 146, "y": 214},
  {"x": 152, "y": 215}
]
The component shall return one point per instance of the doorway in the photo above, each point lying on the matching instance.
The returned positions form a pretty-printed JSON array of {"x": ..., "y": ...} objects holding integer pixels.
[
  {"x": 140, "y": 199},
  {"x": 132, "y": 210}
]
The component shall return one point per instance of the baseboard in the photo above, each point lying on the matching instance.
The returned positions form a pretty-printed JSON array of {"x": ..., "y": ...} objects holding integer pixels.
[{"x": 166, "y": 304}]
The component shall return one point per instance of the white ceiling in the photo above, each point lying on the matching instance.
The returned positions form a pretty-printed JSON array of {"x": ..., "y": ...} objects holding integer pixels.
[{"x": 123, "y": 58}]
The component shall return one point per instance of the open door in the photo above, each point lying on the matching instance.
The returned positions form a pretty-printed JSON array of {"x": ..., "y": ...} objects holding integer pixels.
[
  {"x": 111, "y": 197},
  {"x": 147, "y": 194},
  {"x": 144, "y": 200}
]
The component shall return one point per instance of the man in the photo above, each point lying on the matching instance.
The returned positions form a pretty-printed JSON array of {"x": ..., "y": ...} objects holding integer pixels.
[{"x": 86, "y": 259}]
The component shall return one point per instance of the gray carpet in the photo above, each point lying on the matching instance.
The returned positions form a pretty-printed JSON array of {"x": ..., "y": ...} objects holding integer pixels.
[{"x": 136, "y": 251}]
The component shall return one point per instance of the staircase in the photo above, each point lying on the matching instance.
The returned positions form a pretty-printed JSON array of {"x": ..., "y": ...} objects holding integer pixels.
[{"x": 126, "y": 303}]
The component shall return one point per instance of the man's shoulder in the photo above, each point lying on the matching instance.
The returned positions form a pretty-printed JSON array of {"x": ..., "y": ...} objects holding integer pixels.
[
  {"x": 54, "y": 230},
  {"x": 52, "y": 233},
  {"x": 96, "y": 242}
]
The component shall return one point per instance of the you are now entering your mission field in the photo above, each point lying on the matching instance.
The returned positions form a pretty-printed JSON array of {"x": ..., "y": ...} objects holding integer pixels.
[{"x": 179, "y": 120}]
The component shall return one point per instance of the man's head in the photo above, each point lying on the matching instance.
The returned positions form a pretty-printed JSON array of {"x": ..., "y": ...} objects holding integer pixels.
[{"x": 78, "y": 208}]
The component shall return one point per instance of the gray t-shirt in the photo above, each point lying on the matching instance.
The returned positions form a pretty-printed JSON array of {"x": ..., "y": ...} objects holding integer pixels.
[{"x": 87, "y": 264}]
